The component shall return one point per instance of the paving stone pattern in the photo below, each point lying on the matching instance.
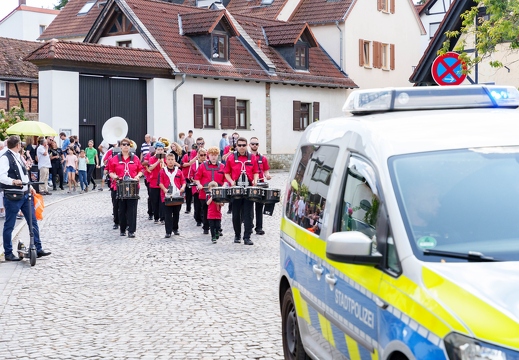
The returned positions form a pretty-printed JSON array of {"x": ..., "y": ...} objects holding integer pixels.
[{"x": 103, "y": 296}]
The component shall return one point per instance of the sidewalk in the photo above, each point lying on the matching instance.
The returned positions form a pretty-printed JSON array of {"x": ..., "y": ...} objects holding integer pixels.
[{"x": 56, "y": 197}]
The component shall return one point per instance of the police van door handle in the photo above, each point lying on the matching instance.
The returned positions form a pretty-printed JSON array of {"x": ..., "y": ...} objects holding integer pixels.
[
  {"x": 318, "y": 270},
  {"x": 330, "y": 280}
]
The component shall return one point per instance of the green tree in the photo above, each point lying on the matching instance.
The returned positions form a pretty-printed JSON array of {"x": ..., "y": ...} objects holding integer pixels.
[
  {"x": 60, "y": 5},
  {"x": 496, "y": 28},
  {"x": 10, "y": 117}
]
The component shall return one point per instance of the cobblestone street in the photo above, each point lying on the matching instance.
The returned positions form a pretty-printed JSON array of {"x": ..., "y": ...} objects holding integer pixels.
[{"x": 103, "y": 296}]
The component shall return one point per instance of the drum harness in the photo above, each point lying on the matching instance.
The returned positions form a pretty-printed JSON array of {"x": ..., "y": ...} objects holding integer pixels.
[
  {"x": 126, "y": 175},
  {"x": 206, "y": 164},
  {"x": 242, "y": 180},
  {"x": 173, "y": 190}
]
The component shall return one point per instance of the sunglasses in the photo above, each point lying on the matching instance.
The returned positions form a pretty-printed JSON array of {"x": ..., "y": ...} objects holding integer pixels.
[
  {"x": 241, "y": 145},
  {"x": 254, "y": 144},
  {"x": 125, "y": 144},
  {"x": 200, "y": 144},
  {"x": 202, "y": 155}
]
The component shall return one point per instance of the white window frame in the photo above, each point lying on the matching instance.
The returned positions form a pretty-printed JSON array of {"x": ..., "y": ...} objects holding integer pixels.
[
  {"x": 3, "y": 89},
  {"x": 124, "y": 43},
  {"x": 366, "y": 53},
  {"x": 385, "y": 56}
]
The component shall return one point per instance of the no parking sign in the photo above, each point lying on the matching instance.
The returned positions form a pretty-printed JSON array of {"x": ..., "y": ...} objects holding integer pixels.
[{"x": 447, "y": 69}]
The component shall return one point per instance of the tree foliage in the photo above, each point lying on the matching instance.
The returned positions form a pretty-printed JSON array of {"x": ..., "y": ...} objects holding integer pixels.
[
  {"x": 60, "y": 4},
  {"x": 490, "y": 24}
]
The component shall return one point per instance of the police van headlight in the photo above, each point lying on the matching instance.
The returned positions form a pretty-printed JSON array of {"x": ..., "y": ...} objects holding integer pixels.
[{"x": 461, "y": 347}]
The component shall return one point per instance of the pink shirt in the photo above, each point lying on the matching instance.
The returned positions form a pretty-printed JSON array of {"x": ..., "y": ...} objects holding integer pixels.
[{"x": 71, "y": 160}]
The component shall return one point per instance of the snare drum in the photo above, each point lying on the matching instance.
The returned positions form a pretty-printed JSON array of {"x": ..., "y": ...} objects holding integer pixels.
[
  {"x": 270, "y": 196},
  {"x": 262, "y": 184},
  {"x": 254, "y": 193},
  {"x": 173, "y": 200},
  {"x": 236, "y": 192},
  {"x": 128, "y": 189},
  {"x": 220, "y": 194}
]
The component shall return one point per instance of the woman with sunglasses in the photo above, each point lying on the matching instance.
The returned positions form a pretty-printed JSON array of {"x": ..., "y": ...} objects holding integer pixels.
[{"x": 126, "y": 165}]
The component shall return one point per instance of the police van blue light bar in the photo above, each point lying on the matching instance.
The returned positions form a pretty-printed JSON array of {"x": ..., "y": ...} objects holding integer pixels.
[{"x": 431, "y": 97}]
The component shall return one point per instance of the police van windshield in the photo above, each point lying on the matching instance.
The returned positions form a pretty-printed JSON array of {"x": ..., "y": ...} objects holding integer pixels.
[{"x": 460, "y": 201}]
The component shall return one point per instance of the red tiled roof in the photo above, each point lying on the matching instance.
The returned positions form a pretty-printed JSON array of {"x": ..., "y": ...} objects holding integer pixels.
[
  {"x": 205, "y": 22},
  {"x": 256, "y": 9},
  {"x": 321, "y": 11},
  {"x": 322, "y": 69},
  {"x": 287, "y": 33},
  {"x": 12, "y": 65},
  {"x": 68, "y": 24},
  {"x": 100, "y": 54}
]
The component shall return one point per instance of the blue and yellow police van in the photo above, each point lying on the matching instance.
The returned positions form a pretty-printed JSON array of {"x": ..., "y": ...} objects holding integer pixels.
[{"x": 400, "y": 228}]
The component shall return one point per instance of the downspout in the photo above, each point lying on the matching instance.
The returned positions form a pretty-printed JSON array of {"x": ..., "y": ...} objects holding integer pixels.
[
  {"x": 175, "y": 116},
  {"x": 340, "y": 45}
]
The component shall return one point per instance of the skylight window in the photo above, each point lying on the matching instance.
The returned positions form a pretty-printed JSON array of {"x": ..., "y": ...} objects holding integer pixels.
[{"x": 86, "y": 8}]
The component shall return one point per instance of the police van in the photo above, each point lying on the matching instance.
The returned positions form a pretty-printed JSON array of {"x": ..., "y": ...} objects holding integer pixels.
[{"x": 400, "y": 228}]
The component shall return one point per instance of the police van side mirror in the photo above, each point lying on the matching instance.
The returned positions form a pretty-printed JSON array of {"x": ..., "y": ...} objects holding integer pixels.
[{"x": 352, "y": 247}]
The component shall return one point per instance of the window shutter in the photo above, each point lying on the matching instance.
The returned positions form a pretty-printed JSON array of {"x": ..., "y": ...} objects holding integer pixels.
[
  {"x": 228, "y": 111},
  {"x": 361, "y": 52},
  {"x": 198, "y": 102},
  {"x": 379, "y": 5},
  {"x": 392, "y": 6},
  {"x": 316, "y": 111},
  {"x": 392, "y": 56},
  {"x": 297, "y": 115},
  {"x": 376, "y": 54}
]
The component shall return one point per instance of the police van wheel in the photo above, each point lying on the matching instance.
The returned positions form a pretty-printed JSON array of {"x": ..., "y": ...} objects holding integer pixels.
[{"x": 292, "y": 344}]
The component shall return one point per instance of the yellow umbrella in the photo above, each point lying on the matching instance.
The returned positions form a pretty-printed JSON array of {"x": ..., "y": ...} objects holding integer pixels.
[{"x": 32, "y": 128}]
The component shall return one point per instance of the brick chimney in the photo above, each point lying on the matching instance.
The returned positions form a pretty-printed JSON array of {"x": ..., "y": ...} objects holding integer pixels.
[{"x": 21, "y": 2}]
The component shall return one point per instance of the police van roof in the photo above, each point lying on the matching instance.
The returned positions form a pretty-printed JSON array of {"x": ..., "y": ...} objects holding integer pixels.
[{"x": 363, "y": 102}]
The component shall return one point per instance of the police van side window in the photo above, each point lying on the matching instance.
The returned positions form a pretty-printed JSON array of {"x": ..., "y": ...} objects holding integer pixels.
[
  {"x": 360, "y": 203},
  {"x": 306, "y": 199}
]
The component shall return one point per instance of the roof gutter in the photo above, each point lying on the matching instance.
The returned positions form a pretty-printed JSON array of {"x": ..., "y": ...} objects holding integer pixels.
[{"x": 340, "y": 45}]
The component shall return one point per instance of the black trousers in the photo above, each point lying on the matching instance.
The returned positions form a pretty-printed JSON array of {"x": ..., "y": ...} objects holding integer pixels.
[
  {"x": 90, "y": 174},
  {"x": 154, "y": 194},
  {"x": 128, "y": 214},
  {"x": 205, "y": 221},
  {"x": 215, "y": 225},
  {"x": 189, "y": 198},
  {"x": 242, "y": 211},
  {"x": 172, "y": 215},
  {"x": 258, "y": 207},
  {"x": 197, "y": 204},
  {"x": 57, "y": 170},
  {"x": 150, "y": 207},
  {"x": 115, "y": 206}
]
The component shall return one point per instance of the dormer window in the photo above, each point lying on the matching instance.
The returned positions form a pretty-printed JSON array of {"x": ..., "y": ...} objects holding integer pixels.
[
  {"x": 220, "y": 46},
  {"x": 86, "y": 8},
  {"x": 301, "y": 54}
]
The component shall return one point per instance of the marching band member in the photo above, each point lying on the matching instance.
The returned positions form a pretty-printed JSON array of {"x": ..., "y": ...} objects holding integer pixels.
[
  {"x": 209, "y": 170},
  {"x": 241, "y": 169},
  {"x": 113, "y": 190},
  {"x": 202, "y": 155},
  {"x": 187, "y": 161},
  {"x": 214, "y": 214},
  {"x": 264, "y": 174},
  {"x": 155, "y": 164},
  {"x": 145, "y": 163},
  {"x": 171, "y": 176},
  {"x": 126, "y": 165}
]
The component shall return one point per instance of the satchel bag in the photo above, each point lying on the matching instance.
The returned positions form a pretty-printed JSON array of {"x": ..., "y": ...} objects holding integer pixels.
[{"x": 14, "y": 195}]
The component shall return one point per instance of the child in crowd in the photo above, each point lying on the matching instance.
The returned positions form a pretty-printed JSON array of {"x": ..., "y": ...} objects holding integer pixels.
[
  {"x": 71, "y": 165},
  {"x": 171, "y": 179},
  {"x": 214, "y": 213},
  {"x": 82, "y": 162}
]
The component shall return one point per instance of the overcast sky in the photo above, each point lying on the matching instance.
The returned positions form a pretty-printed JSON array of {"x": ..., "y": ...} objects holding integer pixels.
[{"x": 6, "y": 6}]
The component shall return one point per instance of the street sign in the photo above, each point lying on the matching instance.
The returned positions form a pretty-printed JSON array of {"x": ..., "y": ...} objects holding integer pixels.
[{"x": 447, "y": 69}]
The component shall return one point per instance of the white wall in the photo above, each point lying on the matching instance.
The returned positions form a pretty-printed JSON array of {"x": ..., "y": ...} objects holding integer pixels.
[
  {"x": 160, "y": 106},
  {"x": 329, "y": 37},
  {"x": 136, "y": 39},
  {"x": 401, "y": 28},
  {"x": 59, "y": 99},
  {"x": 25, "y": 25},
  {"x": 284, "y": 138},
  {"x": 435, "y": 15}
]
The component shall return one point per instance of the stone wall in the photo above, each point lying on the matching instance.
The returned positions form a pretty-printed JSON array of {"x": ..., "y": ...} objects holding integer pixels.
[{"x": 280, "y": 161}]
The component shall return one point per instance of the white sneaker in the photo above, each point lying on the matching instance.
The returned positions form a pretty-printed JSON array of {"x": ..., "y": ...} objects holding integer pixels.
[{"x": 2, "y": 215}]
